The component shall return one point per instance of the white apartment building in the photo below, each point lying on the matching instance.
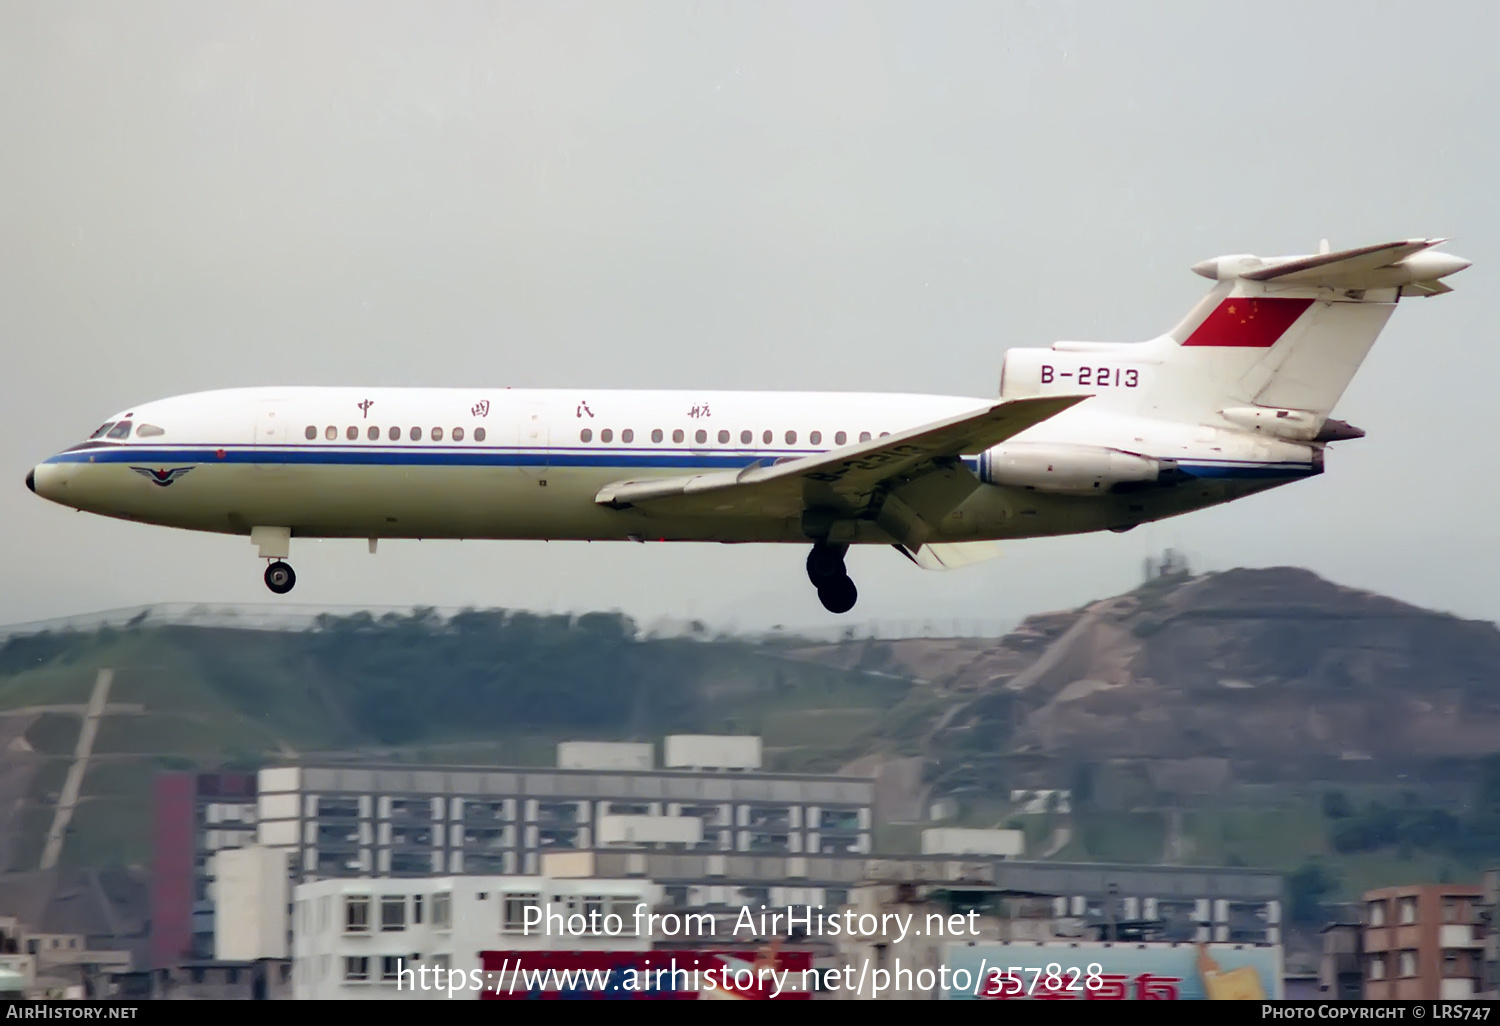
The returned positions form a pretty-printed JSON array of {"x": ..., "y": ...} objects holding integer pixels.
[{"x": 373, "y": 938}]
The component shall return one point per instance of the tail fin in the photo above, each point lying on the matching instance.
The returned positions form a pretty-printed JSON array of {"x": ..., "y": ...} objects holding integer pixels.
[
  {"x": 1272, "y": 346},
  {"x": 1289, "y": 334}
]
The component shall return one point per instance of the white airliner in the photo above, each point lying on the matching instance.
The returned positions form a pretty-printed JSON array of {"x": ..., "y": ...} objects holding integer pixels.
[{"x": 1085, "y": 436}]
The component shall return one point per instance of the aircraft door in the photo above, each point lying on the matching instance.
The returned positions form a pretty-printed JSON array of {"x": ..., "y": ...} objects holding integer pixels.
[
  {"x": 534, "y": 441},
  {"x": 271, "y": 429}
]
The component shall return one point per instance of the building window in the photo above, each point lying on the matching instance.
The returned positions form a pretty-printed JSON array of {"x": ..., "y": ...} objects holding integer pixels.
[
  {"x": 1377, "y": 913},
  {"x": 593, "y": 912},
  {"x": 390, "y": 967},
  {"x": 393, "y": 912},
  {"x": 1407, "y": 964},
  {"x": 1408, "y": 911},
  {"x": 1450, "y": 963},
  {"x": 416, "y": 910},
  {"x": 586, "y": 435},
  {"x": 625, "y": 909},
  {"x": 479, "y": 434},
  {"x": 357, "y": 914},
  {"x": 515, "y": 906},
  {"x": 357, "y": 969},
  {"x": 442, "y": 911},
  {"x": 1450, "y": 910},
  {"x": 1377, "y": 967}
]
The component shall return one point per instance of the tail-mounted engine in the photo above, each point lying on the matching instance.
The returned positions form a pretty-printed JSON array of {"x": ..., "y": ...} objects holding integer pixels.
[{"x": 1073, "y": 469}]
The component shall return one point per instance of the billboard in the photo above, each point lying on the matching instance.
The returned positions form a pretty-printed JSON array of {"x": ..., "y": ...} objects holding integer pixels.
[
  {"x": 735, "y": 975},
  {"x": 1067, "y": 971}
]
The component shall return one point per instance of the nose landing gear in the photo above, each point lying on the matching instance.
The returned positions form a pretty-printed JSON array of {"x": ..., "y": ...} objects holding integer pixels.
[
  {"x": 280, "y": 578},
  {"x": 825, "y": 569}
]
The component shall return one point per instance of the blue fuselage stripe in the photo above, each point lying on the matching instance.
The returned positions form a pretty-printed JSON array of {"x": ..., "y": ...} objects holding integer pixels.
[{"x": 471, "y": 456}]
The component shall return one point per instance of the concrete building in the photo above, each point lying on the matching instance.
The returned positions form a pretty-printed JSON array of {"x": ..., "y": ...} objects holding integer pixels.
[
  {"x": 397, "y": 938},
  {"x": 954, "y": 841},
  {"x": 251, "y": 893},
  {"x": 346, "y": 821},
  {"x": 912, "y": 931},
  {"x": 1423, "y": 943},
  {"x": 193, "y": 817},
  {"x": 1341, "y": 972},
  {"x": 1487, "y": 917}
]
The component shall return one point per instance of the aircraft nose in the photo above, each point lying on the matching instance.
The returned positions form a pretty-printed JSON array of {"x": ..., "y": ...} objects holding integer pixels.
[{"x": 31, "y": 480}]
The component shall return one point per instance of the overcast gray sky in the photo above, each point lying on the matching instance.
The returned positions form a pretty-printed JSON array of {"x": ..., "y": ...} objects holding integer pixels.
[{"x": 817, "y": 196}]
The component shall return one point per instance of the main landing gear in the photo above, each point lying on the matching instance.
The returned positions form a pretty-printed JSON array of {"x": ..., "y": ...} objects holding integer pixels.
[
  {"x": 280, "y": 578},
  {"x": 825, "y": 569}
]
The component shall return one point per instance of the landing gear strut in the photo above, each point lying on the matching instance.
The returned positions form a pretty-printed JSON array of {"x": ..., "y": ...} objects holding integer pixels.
[
  {"x": 280, "y": 578},
  {"x": 825, "y": 569}
]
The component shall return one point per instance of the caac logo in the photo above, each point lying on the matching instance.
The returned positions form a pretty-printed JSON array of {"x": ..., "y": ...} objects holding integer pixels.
[{"x": 162, "y": 477}]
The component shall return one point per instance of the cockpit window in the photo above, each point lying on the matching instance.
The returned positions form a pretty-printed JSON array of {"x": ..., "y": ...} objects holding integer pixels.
[
  {"x": 148, "y": 431},
  {"x": 120, "y": 430},
  {"x": 103, "y": 429}
]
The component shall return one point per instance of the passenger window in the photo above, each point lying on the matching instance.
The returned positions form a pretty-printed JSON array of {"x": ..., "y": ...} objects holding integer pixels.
[
  {"x": 745, "y": 437},
  {"x": 352, "y": 433},
  {"x": 791, "y": 438},
  {"x": 437, "y": 434},
  {"x": 102, "y": 429},
  {"x": 723, "y": 437},
  {"x": 627, "y": 435},
  {"x": 885, "y": 434},
  {"x": 373, "y": 434},
  {"x": 120, "y": 430},
  {"x": 864, "y": 436},
  {"x": 840, "y": 438},
  {"x": 701, "y": 436},
  {"x": 586, "y": 435},
  {"x": 458, "y": 434},
  {"x": 677, "y": 435},
  {"x": 330, "y": 432},
  {"x": 656, "y": 435},
  {"x": 148, "y": 431},
  {"x": 816, "y": 438},
  {"x": 311, "y": 432},
  {"x": 415, "y": 434},
  {"x": 479, "y": 434},
  {"x": 394, "y": 434},
  {"x": 606, "y": 435},
  {"x": 766, "y": 438}
]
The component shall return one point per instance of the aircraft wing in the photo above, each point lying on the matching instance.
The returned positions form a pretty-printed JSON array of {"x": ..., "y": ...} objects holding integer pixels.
[{"x": 919, "y": 468}]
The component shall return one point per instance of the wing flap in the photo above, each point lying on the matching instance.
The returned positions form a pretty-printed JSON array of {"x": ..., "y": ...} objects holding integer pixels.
[{"x": 851, "y": 471}]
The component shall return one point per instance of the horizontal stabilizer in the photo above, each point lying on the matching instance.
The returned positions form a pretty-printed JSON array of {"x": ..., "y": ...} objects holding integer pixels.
[{"x": 1408, "y": 264}]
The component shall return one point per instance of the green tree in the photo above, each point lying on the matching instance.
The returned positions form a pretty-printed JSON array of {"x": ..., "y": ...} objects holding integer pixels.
[{"x": 1306, "y": 889}]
